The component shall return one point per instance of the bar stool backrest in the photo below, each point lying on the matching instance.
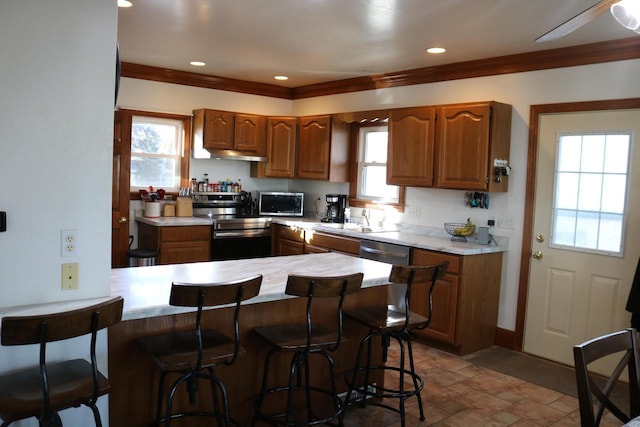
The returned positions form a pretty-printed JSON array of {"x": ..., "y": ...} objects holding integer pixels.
[
  {"x": 43, "y": 328},
  {"x": 214, "y": 294},
  {"x": 416, "y": 274},
  {"x": 323, "y": 287}
]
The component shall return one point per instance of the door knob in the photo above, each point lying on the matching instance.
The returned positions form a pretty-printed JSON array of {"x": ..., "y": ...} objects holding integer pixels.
[
  {"x": 122, "y": 220},
  {"x": 537, "y": 254},
  {"x": 539, "y": 238}
]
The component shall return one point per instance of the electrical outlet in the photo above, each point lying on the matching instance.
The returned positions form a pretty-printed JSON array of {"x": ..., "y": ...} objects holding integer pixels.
[
  {"x": 70, "y": 276},
  {"x": 69, "y": 243},
  {"x": 414, "y": 212}
]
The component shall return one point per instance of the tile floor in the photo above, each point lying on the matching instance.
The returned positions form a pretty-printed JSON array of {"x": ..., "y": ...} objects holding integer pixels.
[{"x": 461, "y": 393}]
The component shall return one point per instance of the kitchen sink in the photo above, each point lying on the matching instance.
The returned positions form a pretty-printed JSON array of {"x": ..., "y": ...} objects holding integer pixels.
[{"x": 358, "y": 227}]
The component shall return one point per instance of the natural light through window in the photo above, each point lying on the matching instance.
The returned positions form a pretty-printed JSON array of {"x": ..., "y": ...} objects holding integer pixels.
[
  {"x": 591, "y": 191},
  {"x": 156, "y": 147},
  {"x": 372, "y": 166}
]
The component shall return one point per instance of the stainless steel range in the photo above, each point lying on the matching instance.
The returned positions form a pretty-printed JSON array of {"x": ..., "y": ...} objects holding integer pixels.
[{"x": 237, "y": 232}]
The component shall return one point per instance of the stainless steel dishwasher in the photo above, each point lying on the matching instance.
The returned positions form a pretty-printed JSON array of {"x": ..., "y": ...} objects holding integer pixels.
[{"x": 391, "y": 254}]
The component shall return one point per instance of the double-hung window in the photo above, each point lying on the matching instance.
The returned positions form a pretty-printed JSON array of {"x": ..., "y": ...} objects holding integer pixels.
[
  {"x": 158, "y": 147},
  {"x": 369, "y": 184}
]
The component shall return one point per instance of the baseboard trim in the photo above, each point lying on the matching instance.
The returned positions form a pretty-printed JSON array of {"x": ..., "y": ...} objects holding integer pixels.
[{"x": 508, "y": 339}]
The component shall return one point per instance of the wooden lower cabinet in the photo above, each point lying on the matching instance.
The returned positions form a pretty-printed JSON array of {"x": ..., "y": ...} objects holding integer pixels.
[
  {"x": 295, "y": 241},
  {"x": 286, "y": 240},
  {"x": 177, "y": 245},
  {"x": 465, "y": 301},
  {"x": 317, "y": 241}
]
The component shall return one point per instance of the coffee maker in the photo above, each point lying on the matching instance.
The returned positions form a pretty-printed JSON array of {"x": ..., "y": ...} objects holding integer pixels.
[{"x": 336, "y": 204}]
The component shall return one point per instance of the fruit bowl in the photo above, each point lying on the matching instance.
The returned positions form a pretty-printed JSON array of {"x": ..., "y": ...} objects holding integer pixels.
[{"x": 459, "y": 230}]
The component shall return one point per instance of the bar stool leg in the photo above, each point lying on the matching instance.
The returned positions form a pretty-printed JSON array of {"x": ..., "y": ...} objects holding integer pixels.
[{"x": 413, "y": 374}]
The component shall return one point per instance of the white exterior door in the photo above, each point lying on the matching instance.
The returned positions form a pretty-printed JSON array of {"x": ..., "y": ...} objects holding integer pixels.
[{"x": 585, "y": 246}]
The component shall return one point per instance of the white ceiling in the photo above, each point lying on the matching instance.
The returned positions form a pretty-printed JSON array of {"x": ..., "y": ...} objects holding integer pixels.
[{"x": 314, "y": 41}]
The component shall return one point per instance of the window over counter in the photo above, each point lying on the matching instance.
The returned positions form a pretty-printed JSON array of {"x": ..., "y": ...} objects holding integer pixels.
[
  {"x": 368, "y": 183},
  {"x": 160, "y": 147}
]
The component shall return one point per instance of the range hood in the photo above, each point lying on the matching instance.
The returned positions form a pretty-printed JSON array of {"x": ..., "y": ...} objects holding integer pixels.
[
  {"x": 227, "y": 155},
  {"x": 235, "y": 155}
]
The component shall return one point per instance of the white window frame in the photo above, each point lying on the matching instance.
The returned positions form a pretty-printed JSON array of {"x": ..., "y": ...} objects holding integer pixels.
[
  {"x": 362, "y": 165},
  {"x": 176, "y": 156}
]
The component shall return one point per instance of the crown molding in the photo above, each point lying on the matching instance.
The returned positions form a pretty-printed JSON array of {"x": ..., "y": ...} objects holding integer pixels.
[{"x": 609, "y": 51}]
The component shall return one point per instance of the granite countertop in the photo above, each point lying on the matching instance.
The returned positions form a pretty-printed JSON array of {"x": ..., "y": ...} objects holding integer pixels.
[
  {"x": 430, "y": 238},
  {"x": 146, "y": 289}
]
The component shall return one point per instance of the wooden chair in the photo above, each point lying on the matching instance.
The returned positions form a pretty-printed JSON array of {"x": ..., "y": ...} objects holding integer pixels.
[
  {"x": 593, "y": 397},
  {"x": 193, "y": 354},
  {"x": 41, "y": 391},
  {"x": 304, "y": 340},
  {"x": 390, "y": 322}
]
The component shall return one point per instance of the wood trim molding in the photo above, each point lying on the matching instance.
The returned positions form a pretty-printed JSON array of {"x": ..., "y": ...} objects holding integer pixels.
[
  {"x": 532, "y": 159},
  {"x": 166, "y": 75},
  {"x": 615, "y": 50}
]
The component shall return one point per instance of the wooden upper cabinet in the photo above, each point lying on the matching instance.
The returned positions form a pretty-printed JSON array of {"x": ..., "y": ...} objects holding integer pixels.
[
  {"x": 224, "y": 130},
  {"x": 214, "y": 128},
  {"x": 410, "y": 150},
  {"x": 468, "y": 139},
  {"x": 281, "y": 149},
  {"x": 323, "y": 149},
  {"x": 250, "y": 134}
]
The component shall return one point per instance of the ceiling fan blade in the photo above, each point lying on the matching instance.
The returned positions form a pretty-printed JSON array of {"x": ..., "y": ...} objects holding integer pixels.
[{"x": 577, "y": 21}]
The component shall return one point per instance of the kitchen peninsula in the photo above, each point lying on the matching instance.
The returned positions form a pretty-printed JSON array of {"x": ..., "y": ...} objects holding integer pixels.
[{"x": 146, "y": 312}]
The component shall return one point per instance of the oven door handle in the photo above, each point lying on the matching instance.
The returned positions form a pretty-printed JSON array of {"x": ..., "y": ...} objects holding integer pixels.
[{"x": 241, "y": 233}]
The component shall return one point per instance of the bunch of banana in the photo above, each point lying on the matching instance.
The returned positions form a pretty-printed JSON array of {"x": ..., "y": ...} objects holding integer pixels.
[{"x": 465, "y": 230}]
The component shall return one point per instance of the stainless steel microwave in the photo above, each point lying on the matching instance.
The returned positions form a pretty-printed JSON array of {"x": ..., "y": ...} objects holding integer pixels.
[{"x": 281, "y": 203}]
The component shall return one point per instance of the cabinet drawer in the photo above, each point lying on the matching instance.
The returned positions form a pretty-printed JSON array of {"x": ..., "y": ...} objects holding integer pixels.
[
  {"x": 183, "y": 234},
  {"x": 336, "y": 243},
  {"x": 424, "y": 257},
  {"x": 284, "y": 232}
]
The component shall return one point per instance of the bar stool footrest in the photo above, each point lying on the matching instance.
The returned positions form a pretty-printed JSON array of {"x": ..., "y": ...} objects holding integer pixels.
[
  {"x": 280, "y": 419},
  {"x": 384, "y": 392}
]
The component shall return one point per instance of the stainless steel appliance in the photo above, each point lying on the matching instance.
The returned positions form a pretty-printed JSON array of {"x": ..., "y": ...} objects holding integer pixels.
[
  {"x": 278, "y": 203},
  {"x": 336, "y": 204},
  {"x": 391, "y": 254},
  {"x": 237, "y": 232}
]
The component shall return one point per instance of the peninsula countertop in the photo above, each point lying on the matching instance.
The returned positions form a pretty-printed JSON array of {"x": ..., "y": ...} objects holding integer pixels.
[
  {"x": 429, "y": 238},
  {"x": 146, "y": 289}
]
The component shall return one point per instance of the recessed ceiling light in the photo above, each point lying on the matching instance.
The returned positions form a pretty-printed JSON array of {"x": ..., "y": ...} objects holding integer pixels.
[
  {"x": 436, "y": 50},
  {"x": 197, "y": 63},
  {"x": 124, "y": 3},
  {"x": 281, "y": 77}
]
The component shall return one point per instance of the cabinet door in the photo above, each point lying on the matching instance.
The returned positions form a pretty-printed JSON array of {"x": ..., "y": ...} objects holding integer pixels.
[
  {"x": 410, "y": 150},
  {"x": 463, "y": 146},
  {"x": 250, "y": 134},
  {"x": 314, "y": 147},
  {"x": 218, "y": 130},
  {"x": 289, "y": 247},
  {"x": 445, "y": 303},
  {"x": 281, "y": 147}
]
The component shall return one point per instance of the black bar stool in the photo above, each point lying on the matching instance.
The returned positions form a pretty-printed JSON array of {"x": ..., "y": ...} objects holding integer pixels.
[
  {"x": 193, "y": 354},
  {"x": 304, "y": 400},
  {"x": 392, "y": 323},
  {"x": 41, "y": 391}
]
